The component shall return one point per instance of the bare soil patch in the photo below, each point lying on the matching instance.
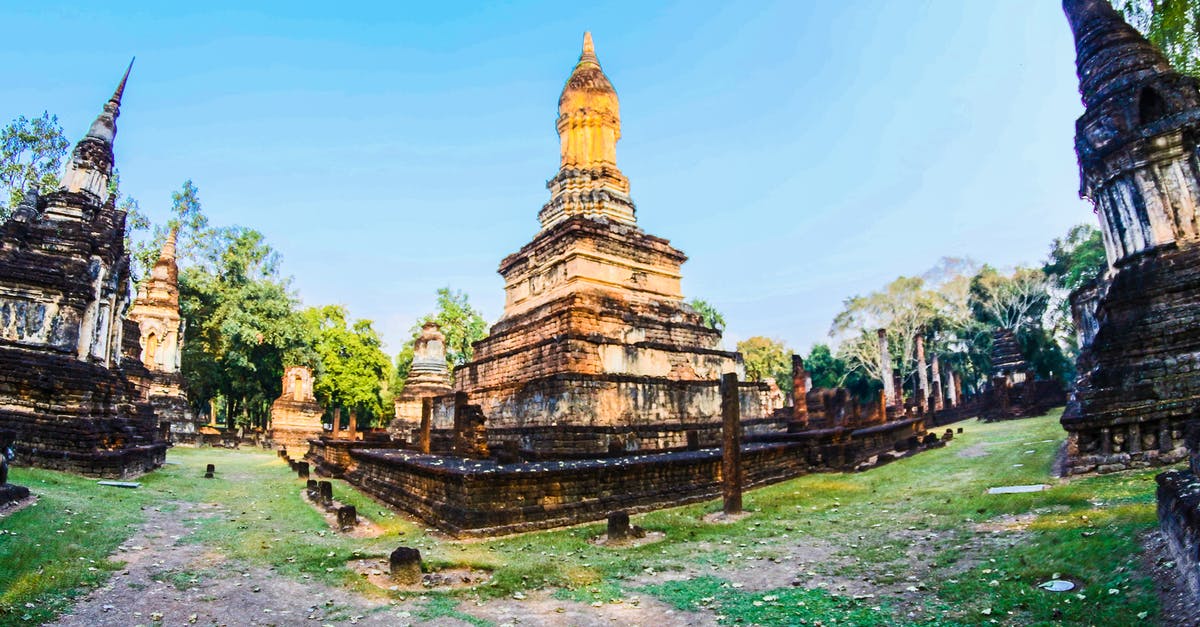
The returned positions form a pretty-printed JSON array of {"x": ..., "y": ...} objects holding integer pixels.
[
  {"x": 540, "y": 609},
  {"x": 650, "y": 538},
  {"x": 178, "y": 583}
]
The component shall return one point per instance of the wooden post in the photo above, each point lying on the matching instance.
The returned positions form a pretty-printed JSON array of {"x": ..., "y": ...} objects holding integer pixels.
[
  {"x": 337, "y": 422},
  {"x": 731, "y": 445},
  {"x": 426, "y": 425}
]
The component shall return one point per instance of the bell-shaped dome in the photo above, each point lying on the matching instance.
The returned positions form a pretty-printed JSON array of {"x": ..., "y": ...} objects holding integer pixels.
[{"x": 588, "y": 89}]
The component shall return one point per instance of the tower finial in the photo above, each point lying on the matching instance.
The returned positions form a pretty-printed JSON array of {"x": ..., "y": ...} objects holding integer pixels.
[
  {"x": 116, "y": 98},
  {"x": 589, "y": 49},
  {"x": 168, "y": 249},
  {"x": 1108, "y": 51}
]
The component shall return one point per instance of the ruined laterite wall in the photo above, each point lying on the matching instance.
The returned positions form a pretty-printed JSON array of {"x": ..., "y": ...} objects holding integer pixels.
[
  {"x": 76, "y": 416},
  {"x": 482, "y": 497},
  {"x": 565, "y": 411}
]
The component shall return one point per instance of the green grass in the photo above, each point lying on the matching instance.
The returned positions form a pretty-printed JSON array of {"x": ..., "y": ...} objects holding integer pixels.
[{"x": 253, "y": 513}]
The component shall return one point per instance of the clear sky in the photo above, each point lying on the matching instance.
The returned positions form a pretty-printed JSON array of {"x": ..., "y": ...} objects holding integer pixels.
[{"x": 798, "y": 152}]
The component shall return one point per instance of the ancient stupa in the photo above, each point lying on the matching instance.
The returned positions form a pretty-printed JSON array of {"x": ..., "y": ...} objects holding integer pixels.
[
  {"x": 160, "y": 327},
  {"x": 428, "y": 378},
  {"x": 596, "y": 349},
  {"x": 72, "y": 387},
  {"x": 1139, "y": 370},
  {"x": 296, "y": 414}
]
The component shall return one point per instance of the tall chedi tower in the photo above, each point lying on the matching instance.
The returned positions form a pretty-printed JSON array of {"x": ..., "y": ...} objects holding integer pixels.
[
  {"x": 1139, "y": 367},
  {"x": 160, "y": 331},
  {"x": 70, "y": 380},
  {"x": 596, "y": 350}
]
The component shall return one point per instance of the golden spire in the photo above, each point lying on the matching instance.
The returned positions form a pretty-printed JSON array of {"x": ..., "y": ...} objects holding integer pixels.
[{"x": 589, "y": 124}]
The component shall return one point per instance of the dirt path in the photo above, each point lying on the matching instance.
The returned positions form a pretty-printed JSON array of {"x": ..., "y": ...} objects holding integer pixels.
[
  {"x": 169, "y": 581},
  {"x": 178, "y": 583}
]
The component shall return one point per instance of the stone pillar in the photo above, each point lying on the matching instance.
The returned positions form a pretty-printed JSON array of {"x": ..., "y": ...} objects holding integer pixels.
[
  {"x": 404, "y": 565},
  {"x": 618, "y": 526},
  {"x": 353, "y": 427},
  {"x": 922, "y": 375},
  {"x": 347, "y": 517},
  {"x": 337, "y": 423},
  {"x": 731, "y": 445},
  {"x": 460, "y": 419},
  {"x": 426, "y": 425},
  {"x": 799, "y": 392},
  {"x": 885, "y": 370},
  {"x": 325, "y": 492},
  {"x": 935, "y": 372},
  {"x": 302, "y": 470},
  {"x": 955, "y": 388}
]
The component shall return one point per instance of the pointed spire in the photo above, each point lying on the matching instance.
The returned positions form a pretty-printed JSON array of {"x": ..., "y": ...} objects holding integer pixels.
[
  {"x": 116, "y": 99},
  {"x": 168, "y": 249},
  {"x": 1109, "y": 53},
  {"x": 589, "y": 50},
  {"x": 105, "y": 126}
]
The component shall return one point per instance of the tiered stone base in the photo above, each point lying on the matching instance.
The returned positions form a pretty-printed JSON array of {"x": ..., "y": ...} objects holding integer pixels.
[
  {"x": 483, "y": 497},
  {"x": 76, "y": 416},
  {"x": 574, "y": 415},
  {"x": 1140, "y": 378}
]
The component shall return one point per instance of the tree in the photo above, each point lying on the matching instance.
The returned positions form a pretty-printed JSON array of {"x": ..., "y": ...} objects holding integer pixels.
[
  {"x": 765, "y": 357},
  {"x": 712, "y": 318},
  {"x": 351, "y": 367},
  {"x": 828, "y": 371},
  {"x": 1171, "y": 25},
  {"x": 197, "y": 242},
  {"x": 1010, "y": 302},
  {"x": 241, "y": 325},
  {"x": 459, "y": 322},
  {"x": 903, "y": 308},
  {"x": 1076, "y": 259},
  {"x": 31, "y": 155}
]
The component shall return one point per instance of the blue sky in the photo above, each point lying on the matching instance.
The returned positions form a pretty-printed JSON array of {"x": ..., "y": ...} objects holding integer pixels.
[{"x": 798, "y": 152}]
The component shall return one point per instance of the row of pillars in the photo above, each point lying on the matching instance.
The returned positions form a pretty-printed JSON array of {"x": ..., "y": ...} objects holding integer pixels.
[{"x": 928, "y": 398}]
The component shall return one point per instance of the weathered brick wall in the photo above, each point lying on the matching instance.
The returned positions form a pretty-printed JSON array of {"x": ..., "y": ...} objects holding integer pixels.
[
  {"x": 1140, "y": 377},
  {"x": 653, "y": 413},
  {"x": 76, "y": 416},
  {"x": 482, "y": 497}
]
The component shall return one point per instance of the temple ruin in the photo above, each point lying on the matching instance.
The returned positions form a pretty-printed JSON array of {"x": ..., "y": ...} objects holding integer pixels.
[
  {"x": 428, "y": 378},
  {"x": 296, "y": 414},
  {"x": 1014, "y": 391},
  {"x": 599, "y": 389},
  {"x": 1138, "y": 375},
  {"x": 160, "y": 329},
  {"x": 73, "y": 388},
  {"x": 596, "y": 349}
]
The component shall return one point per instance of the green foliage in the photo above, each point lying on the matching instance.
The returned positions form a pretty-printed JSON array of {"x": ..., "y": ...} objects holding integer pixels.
[
  {"x": 712, "y": 318},
  {"x": 351, "y": 366},
  {"x": 1076, "y": 259},
  {"x": 241, "y": 322},
  {"x": 1172, "y": 25},
  {"x": 828, "y": 371},
  {"x": 765, "y": 357},
  {"x": 459, "y": 322},
  {"x": 31, "y": 155}
]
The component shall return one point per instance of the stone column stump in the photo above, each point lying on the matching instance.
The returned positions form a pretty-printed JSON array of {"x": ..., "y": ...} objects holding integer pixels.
[
  {"x": 347, "y": 517},
  {"x": 404, "y": 565}
]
